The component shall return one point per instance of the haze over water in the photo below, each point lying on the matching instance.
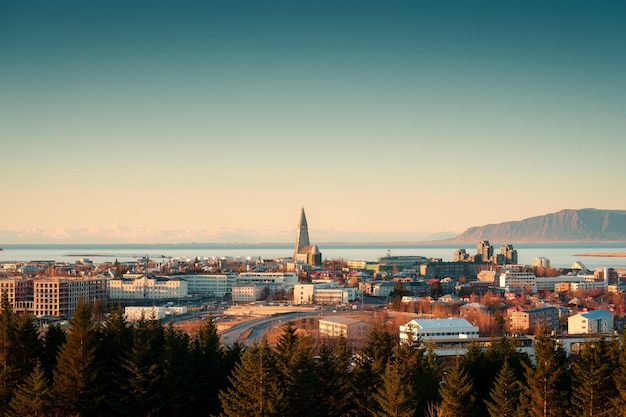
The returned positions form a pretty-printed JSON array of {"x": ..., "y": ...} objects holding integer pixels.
[{"x": 560, "y": 255}]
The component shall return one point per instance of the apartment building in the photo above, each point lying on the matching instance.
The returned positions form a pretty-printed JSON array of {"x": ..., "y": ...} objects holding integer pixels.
[{"x": 525, "y": 320}]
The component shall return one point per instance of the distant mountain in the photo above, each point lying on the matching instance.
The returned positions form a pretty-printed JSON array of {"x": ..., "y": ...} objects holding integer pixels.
[{"x": 584, "y": 225}]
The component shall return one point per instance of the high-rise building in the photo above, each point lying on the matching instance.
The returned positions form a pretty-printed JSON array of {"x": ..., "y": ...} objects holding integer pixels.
[{"x": 484, "y": 250}]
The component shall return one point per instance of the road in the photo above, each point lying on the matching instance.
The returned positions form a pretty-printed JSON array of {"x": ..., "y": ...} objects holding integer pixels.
[{"x": 258, "y": 327}]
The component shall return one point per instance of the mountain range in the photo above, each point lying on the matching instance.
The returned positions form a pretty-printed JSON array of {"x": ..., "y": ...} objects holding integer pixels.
[{"x": 583, "y": 225}]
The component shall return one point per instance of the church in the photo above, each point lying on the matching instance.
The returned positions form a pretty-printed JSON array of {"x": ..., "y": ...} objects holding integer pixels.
[{"x": 303, "y": 251}]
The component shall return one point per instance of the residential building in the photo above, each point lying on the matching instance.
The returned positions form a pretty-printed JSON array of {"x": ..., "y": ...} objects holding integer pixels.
[
  {"x": 355, "y": 331},
  {"x": 58, "y": 297},
  {"x": 216, "y": 285},
  {"x": 516, "y": 279},
  {"x": 595, "y": 321},
  {"x": 438, "y": 329},
  {"x": 245, "y": 293},
  {"x": 528, "y": 320}
]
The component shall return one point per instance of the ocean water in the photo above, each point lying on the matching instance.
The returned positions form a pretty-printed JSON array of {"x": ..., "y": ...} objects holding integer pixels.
[{"x": 560, "y": 255}]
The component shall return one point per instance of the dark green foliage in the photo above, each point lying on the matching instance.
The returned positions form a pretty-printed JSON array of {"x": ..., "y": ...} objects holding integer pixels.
[
  {"x": 76, "y": 384},
  {"x": 546, "y": 392},
  {"x": 333, "y": 395},
  {"x": 504, "y": 394},
  {"x": 394, "y": 396},
  {"x": 33, "y": 398},
  {"x": 592, "y": 384},
  {"x": 255, "y": 389},
  {"x": 370, "y": 366},
  {"x": 9, "y": 372},
  {"x": 53, "y": 339},
  {"x": 209, "y": 370},
  {"x": 457, "y": 393},
  {"x": 144, "y": 388}
]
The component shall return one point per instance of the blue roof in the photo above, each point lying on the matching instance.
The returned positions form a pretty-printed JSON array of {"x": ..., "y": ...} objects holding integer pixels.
[{"x": 596, "y": 314}]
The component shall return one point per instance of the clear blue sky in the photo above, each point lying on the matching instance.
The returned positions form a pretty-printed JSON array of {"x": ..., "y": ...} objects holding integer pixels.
[{"x": 154, "y": 121}]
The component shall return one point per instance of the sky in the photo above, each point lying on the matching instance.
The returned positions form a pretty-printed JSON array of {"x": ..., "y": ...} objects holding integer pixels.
[{"x": 213, "y": 121}]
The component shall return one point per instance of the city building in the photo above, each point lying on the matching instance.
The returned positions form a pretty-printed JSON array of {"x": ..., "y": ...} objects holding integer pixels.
[
  {"x": 514, "y": 278},
  {"x": 216, "y": 285},
  {"x": 438, "y": 329},
  {"x": 595, "y": 321},
  {"x": 355, "y": 331},
  {"x": 537, "y": 318},
  {"x": 58, "y": 297},
  {"x": 139, "y": 287}
]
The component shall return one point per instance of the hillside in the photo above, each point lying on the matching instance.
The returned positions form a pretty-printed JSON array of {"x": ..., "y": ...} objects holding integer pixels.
[{"x": 585, "y": 225}]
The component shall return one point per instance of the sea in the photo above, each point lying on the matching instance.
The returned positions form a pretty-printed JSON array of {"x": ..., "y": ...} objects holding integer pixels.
[{"x": 561, "y": 255}]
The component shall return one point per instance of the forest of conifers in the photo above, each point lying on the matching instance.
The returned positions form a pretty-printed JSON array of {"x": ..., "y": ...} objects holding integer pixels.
[{"x": 110, "y": 367}]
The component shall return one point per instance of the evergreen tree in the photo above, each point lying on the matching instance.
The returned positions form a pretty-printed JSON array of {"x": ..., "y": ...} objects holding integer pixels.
[
  {"x": 254, "y": 389},
  {"x": 53, "y": 339},
  {"x": 33, "y": 398},
  {"x": 9, "y": 372},
  {"x": 27, "y": 345},
  {"x": 370, "y": 366},
  {"x": 176, "y": 370},
  {"x": 333, "y": 395},
  {"x": 619, "y": 377},
  {"x": 76, "y": 384},
  {"x": 394, "y": 396},
  {"x": 299, "y": 378},
  {"x": 117, "y": 337},
  {"x": 504, "y": 394},
  {"x": 592, "y": 385},
  {"x": 210, "y": 369},
  {"x": 143, "y": 386},
  {"x": 457, "y": 393},
  {"x": 546, "y": 392}
]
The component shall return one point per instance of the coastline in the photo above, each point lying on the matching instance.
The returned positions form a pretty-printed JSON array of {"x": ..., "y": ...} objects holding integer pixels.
[{"x": 604, "y": 254}]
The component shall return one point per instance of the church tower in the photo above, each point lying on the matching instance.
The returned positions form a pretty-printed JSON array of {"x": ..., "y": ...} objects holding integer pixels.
[{"x": 302, "y": 235}]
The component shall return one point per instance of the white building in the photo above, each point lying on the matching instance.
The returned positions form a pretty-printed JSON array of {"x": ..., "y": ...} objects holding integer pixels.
[
  {"x": 144, "y": 288},
  {"x": 216, "y": 285},
  {"x": 515, "y": 279},
  {"x": 438, "y": 329},
  {"x": 246, "y": 293},
  {"x": 146, "y": 312},
  {"x": 326, "y": 292},
  {"x": 346, "y": 327},
  {"x": 595, "y": 321},
  {"x": 288, "y": 278}
]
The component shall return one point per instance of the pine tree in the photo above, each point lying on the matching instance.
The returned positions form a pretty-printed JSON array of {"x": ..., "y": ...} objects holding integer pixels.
[
  {"x": 117, "y": 340},
  {"x": 370, "y": 366},
  {"x": 176, "y": 369},
  {"x": 76, "y": 384},
  {"x": 254, "y": 389},
  {"x": 592, "y": 385},
  {"x": 333, "y": 395},
  {"x": 33, "y": 398},
  {"x": 210, "y": 370},
  {"x": 619, "y": 377},
  {"x": 394, "y": 396},
  {"x": 457, "y": 394},
  {"x": 9, "y": 373},
  {"x": 546, "y": 391},
  {"x": 53, "y": 339},
  {"x": 298, "y": 378},
  {"x": 143, "y": 386},
  {"x": 504, "y": 394}
]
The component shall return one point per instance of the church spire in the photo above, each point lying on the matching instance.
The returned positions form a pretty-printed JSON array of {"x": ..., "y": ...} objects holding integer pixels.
[{"x": 302, "y": 235}]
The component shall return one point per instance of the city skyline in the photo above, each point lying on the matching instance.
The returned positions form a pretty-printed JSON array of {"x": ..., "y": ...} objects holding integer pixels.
[{"x": 217, "y": 122}]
